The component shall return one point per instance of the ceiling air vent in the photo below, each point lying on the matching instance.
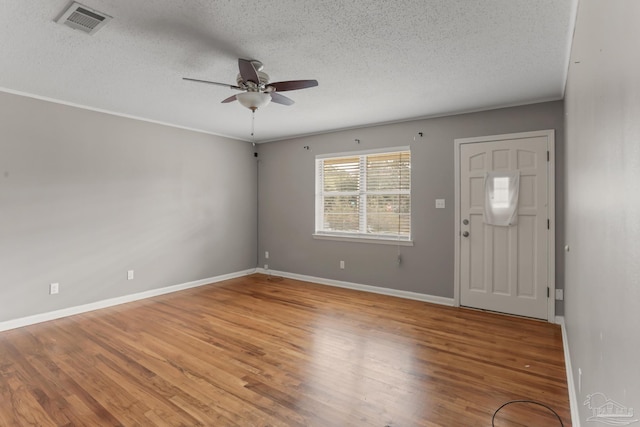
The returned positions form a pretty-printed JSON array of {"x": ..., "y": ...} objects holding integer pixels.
[{"x": 83, "y": 18}]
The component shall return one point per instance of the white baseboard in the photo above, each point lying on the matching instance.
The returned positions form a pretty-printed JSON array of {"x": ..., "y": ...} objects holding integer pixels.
[
  {"x": 573, "y": 397},
  {"x": 367, "y": 288},
  {"x": 57, "y": 314}
]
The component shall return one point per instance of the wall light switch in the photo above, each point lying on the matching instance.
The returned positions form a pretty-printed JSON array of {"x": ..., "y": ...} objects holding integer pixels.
[
  {"x": 559, "y": 294},
  {"x": 54, "y": 288},
  {"x": 439, "y": 203},
  {"x": 130, "y": 275}
]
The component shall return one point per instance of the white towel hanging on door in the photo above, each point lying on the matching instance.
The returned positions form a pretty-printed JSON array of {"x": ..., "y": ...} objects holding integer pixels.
[{"x": 501, "y": 198}]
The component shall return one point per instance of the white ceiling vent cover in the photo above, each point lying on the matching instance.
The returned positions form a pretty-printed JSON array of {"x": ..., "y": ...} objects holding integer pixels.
[{"x": 83, "y": 18}]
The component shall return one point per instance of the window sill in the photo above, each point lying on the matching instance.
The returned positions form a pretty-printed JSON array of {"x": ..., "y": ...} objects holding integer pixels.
[{"x": 376, "y": 240}]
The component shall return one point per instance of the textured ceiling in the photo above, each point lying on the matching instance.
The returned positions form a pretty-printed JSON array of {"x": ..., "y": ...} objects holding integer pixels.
[{"x": 376, "y": 61}]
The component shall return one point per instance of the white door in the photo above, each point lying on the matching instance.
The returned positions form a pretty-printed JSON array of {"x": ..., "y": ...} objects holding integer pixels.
[{"x": 506, "y": 268}]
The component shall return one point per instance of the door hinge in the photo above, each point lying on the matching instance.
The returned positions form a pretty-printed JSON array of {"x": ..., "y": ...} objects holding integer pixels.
[
  {"x": 548, "y": 292},
  {"x": 548, "y": 156},
  {"x": 548, "y": 224}
]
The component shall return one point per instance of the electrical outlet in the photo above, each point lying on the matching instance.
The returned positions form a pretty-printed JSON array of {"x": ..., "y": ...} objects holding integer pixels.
[
  {"x": 559, "y": 294},
  {"x": 266, "y": 266},
  {"x": 130, "y": 275},
  {"x": 439, "y": 203},
  {"x": 341, "y": 265},
  {"x": 266, "y": 254},
  {"x": 54, "y": 288}
]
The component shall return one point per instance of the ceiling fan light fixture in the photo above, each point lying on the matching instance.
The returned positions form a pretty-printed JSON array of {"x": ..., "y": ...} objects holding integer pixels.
[{"x": 253, "y": 100}]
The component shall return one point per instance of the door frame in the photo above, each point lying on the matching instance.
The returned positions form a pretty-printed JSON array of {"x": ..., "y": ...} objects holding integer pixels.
[{"x": 551, "y": 210}]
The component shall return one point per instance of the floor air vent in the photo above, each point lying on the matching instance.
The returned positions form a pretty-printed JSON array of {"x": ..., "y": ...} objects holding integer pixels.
[{"x": 83, "y": 18}]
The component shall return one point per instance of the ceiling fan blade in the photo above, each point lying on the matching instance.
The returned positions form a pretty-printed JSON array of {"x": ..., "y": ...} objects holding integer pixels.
[
  {"x": 229, "y": 99},
  {"x": 213, "y": 83},
  {"x": 248, "y": 71},
  {"x": 281, "y": 99},
  {"x": 293, "y": 85}
]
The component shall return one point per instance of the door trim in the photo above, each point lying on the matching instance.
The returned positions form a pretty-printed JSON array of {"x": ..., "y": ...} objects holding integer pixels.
[{"x": 551, "y": 197}]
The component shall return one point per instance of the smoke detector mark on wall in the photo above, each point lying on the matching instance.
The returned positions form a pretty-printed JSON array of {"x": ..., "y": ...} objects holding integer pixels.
[{"x": 83, "y": 18}]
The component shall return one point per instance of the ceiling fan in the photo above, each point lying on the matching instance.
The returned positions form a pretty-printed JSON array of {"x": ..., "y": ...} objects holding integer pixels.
[{"x": 257, "y": 91}]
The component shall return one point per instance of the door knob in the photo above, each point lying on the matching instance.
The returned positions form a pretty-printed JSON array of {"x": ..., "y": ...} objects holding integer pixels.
[{"x": 465, "y": 234}]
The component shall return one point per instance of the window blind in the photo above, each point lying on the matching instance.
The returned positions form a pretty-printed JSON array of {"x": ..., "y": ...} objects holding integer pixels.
[{"x": 366, "y": 195}]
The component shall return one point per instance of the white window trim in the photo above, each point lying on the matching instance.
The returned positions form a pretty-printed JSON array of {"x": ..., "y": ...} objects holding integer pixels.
[
  {"x": 363, "y": 239},
  {"x": 358, "y": 237},
  {"x": 363, "y": 152}
]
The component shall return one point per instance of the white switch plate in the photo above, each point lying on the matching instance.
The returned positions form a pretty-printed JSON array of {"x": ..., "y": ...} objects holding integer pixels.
[
  {"x": 559, "y": 294},
  {"x": 54, "y": 288},
  {"x": 439, "y": 203},
  {"x": 130, "y": 275},
  {"x": 266, "y": 254},
  {"x": 342, "y": 265}
]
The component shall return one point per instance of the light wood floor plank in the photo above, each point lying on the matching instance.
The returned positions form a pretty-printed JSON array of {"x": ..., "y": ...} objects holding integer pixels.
[{"x": 256, "y": 351}]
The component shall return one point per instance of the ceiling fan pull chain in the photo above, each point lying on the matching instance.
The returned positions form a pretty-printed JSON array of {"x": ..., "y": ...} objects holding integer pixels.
[{"x": 253, "y": 124}]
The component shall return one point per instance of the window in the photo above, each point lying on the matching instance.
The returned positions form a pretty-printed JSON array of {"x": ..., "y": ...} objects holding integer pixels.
[
  {"x": 364, "y": 195},
  {"x": 500, "y": 198}
]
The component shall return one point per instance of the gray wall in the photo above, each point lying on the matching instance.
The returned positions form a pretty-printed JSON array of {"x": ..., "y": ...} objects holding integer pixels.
[
  {"x": 86, "y": 196},
  {"x": 287, "y": 200},
  {"x": 603, "y": 202}
]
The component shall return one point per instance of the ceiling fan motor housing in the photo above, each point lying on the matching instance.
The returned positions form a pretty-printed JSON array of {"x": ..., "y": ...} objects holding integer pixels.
[{"x": 250, "y": 86}]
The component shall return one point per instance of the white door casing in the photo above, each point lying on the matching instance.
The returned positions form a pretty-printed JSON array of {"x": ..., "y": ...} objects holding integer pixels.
[{"x": 509, "y": 269}]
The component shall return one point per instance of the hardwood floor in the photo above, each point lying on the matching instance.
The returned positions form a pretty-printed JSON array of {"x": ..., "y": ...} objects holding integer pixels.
[{"x": 259, "y": 352}]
